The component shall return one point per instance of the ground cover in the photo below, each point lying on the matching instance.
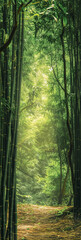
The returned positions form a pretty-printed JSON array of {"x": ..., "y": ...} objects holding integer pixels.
[{"x": 45, "y": 223}]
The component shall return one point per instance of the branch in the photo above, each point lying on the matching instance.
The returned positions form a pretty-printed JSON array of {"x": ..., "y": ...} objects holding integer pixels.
[
  {"x": 24, "y": 172},
  {"x": 26, "y": 107},
  {"x": 67, "y": 109},
  {"x": 5, "y": 45},
  {"x": 57, "y": 79},
  {"x": 23, "y": 5},
  {"x": 56, "y": 76}
]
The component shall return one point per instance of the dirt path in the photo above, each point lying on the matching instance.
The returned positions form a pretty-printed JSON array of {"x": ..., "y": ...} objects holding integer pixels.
[{"x": 41, "y": 223}]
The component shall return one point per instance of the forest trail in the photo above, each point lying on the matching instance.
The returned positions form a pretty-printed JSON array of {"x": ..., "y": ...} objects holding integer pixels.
[{"x": 43, "y": 223}]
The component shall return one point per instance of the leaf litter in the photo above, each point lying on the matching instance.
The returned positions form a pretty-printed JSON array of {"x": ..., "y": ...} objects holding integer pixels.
[{"x": 44, "y": 223}]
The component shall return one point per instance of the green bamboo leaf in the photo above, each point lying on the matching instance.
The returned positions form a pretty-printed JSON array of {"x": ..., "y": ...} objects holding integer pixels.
[
  {"x": 36, "y": 14},
  {"x": 64, "y": 21},
  {"x": 63, "y": 8}
]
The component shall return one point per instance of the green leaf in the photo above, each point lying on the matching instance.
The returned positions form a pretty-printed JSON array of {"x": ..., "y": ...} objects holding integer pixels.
[
  {"x": 64, "y": 21},
  {"x": 63, "y": 8}
]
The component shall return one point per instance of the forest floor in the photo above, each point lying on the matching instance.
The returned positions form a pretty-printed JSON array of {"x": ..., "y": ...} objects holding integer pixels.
[{"x": 45, "y": 223}]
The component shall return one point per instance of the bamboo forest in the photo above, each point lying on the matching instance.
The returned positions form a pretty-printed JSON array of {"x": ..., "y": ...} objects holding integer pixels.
[{"x": 40, "y": 119}]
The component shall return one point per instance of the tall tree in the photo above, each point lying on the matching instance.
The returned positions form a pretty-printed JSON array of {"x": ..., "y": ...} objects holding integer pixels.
[
  {"x": 75, "y": 73},
  {"x": 10, "y": 84}
]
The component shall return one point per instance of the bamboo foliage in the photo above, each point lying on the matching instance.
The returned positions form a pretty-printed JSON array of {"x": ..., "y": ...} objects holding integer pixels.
[{"x": 10, "y": 84}]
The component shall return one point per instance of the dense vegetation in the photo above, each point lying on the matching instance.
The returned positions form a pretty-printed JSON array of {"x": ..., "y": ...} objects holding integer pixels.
[
  {"x": 49, "y": 135},
  {"x": 51, "y": 108},
  {"x": 43, "y": 145},
  {"x": 42, "y": 142}
]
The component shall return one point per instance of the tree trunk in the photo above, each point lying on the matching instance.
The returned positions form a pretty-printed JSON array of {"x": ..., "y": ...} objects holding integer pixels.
[{"x": 10, "y": 85}]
